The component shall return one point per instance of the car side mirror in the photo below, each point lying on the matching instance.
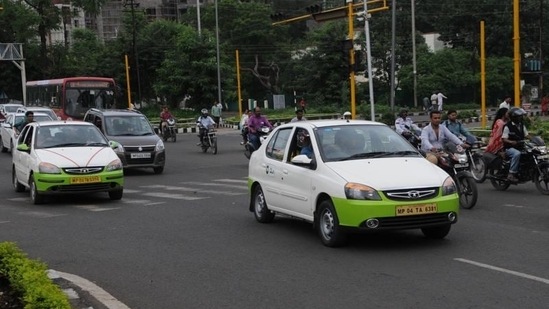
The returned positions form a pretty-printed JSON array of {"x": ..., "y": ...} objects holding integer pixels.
[
  {"x": 156, "y": 130},
  {"x": 23, "y": 147},
  {"x": 114, "y": 144},
  {"x": 303, "y": 160}
]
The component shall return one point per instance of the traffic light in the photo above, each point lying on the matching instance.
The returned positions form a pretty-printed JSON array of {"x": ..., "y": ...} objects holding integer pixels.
[
  {"x": 313, "y": 9},
  {"x": 278, "y": 16}
]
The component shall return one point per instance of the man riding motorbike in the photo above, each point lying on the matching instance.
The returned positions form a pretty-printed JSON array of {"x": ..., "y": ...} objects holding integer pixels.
[
  {"x": 164, "y": 116},
  {"x": 514, "y": 133},
  {"x": 255, "y": 123},
  {"x": 204, "y": 123},
  {"x": 404, "y": 125},
  {"x": 458, "y": 128},
  {"x": 434, "y": 137}
]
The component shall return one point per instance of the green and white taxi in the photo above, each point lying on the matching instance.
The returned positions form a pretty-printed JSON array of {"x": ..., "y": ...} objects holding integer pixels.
[
  {"x": 65, "y": 157},
  {"x": 349, "y": 175}
]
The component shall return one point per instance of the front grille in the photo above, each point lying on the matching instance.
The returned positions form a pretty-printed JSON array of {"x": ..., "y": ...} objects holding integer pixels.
[
  {"x": 83, "y": 170},
  {"x": 412, "y": 194},
  {"x": 90, "y": 187},
  {"x": 137, "y": 148},
  {"x": 408, "y": 222}
]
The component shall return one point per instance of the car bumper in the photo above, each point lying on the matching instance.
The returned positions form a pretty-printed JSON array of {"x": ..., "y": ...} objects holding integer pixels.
[
  {"x": 52, "y": 184},
  {"x": 359, "y": 213}
]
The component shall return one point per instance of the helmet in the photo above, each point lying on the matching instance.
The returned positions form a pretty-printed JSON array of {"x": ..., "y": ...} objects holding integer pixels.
[
  {"x": 204, "y": 112},
  {"x": 347, "y": 114},
  {"x": 516, "y": 112}
]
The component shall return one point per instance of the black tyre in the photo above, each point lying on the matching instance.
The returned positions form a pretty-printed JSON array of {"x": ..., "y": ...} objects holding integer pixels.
[
  {"x": 116, "y": 195},
  {"x": 204, "y": 148},
  {"x": 158, "y": 169},
  {"x": 478, "y": 168},
  {"x": 261, "y": 210},
  {"x": 214, "y": 145},
  {"x": 498, "y": 182},
  {"x": 35, "y": 196},
  {"x": 16, "y": 184},
  {"x": 436, "y": 232},
  {"x": 174, "y": 137},
  {"x": 542, "y": 179},
  {"x": 327, "y": 225},
  {"x": 4, "y": 149},
  {"x": 468, "y": 192}
]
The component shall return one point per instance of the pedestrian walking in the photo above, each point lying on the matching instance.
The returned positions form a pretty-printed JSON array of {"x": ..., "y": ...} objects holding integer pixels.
[
  {"x": 216, "y": 112},
  {"x": 440, "y": 98}
]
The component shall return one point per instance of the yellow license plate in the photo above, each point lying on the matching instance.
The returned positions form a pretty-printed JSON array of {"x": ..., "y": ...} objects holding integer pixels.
[
  {"x": 412, "y": 210},
  {"x": 85, "y": 179}
]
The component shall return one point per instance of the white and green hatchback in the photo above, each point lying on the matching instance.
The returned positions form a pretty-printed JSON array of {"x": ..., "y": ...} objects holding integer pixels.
[
  {"x": 65, "y": 157},
  {"x": 349, "y": 175}
]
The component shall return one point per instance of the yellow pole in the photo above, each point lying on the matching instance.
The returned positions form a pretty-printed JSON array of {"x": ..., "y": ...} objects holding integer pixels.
[
  {"x": 128, "y": 81},
  {"x": 352, "y": 59},
  {"x": 482, "y": 76},
  {"x": 516, "y": 51},
  {"x": 238, "y": 83}
]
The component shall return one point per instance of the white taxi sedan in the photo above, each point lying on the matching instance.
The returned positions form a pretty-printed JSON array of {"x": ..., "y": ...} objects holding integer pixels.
[
  {"x": 349, "y": 175},
  {"x": 58, "y": 157}
]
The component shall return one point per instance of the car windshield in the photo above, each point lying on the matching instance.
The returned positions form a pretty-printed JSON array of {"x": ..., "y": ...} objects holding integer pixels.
[
  {"x": 69, "y": 136},
  {"x": 127, "y": 126},
  {"x": 340, "y": 143},
  {"x": 11, "y": 109}
]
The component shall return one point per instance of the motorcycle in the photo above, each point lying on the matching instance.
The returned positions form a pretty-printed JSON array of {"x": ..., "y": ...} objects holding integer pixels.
[
  {"x": 262, "y": 134},
  {"x": 209, "y": 142},
  {"x": 170, "y": 130},
  {"x": 477, "y": 165},
  {"x": 414, "y": 137},
  {"x": 533, "y": 166},
  {"x": 454, "y": 160}
]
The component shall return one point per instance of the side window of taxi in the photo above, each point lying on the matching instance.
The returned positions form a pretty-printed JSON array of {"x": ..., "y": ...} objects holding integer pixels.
[
  {"x": 277, "y": 144},
  {"x": 26, "y": 136}
]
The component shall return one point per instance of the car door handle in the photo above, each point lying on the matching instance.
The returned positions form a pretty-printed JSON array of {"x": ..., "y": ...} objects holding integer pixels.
[{"x": 285, "y": 172}]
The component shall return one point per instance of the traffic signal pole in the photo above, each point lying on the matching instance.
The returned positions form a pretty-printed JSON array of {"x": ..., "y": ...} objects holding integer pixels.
[{"x": 352, "y": 58}]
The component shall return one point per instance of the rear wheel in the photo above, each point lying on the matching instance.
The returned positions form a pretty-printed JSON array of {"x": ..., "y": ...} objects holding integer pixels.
[
  {"x": 478, "y": 168},
  {"x": 436, "y": 232},
  {"x": 16, "y": 185},
  {"x": 327, "y": 225},
  {"x": 174, "y": 136},
  {"x": 468, "y": 192},
  {"x": 36, "y": 197},
  {"x": 158, "y": 169},
  {"x": 542, "y": 179},
  {"x": 498, "y": 181},
  {"x": 4, "y": 149}
]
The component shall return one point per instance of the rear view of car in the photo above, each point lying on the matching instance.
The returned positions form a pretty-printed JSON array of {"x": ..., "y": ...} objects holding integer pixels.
[{"x": 58, "y": 158}]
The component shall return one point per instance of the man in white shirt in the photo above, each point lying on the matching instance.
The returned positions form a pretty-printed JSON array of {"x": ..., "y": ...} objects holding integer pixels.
[
  {"x": 506, "y": 103},
  {"x": 434, "y": 101},
  {"x": 440, "y": 97}
]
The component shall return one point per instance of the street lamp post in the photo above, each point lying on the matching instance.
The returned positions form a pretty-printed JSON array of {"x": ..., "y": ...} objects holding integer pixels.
[
  {"x": 134, "y": 5},
  {"x": 217, "y": 50}
]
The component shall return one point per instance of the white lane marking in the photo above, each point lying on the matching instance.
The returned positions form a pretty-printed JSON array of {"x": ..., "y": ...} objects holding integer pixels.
[
  {"x": 243, "y": 181},
  {"x": 155, "y": 203},
  {"x": 131, "y": 191},
  {"x": 507, "y": 271},
  {"x": 209, "y": 184},
  {"x": 513, "y": 205},
  {"x": 19, "y": 199},
  {"x": 187, "y": 189},
  {"x": 101, "y": 295},
  {"x": 40, "y": 214},
  {"x": 4, "y": 222},
  {"x": 175, "y": 196},
  {"x": 133, "y": 201},
  {"x": 96, "y": 208}
]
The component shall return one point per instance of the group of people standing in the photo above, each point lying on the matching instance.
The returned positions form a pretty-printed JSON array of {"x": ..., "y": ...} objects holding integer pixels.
[{"x": 435, "y": 102}]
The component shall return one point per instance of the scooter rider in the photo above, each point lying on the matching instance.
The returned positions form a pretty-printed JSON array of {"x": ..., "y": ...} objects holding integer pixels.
[
  {"x": 255, "y": 123},
  {"x": 513, "y": 135},
  {"x": 204, "y": 123},
  {"x": 164, "y": 116},
  {"x": 404, "y": 124}
]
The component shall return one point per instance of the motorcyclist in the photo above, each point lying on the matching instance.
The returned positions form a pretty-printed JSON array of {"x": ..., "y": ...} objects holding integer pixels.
[
  {"x": 434, "y": 137},
  {"x": 255, "y": 123},
  {"x": 204, "y": 123},
  {"x": 164, "y": 116},
  {"x": 514, "y": 133},
  {"x": 404, "y": 124},
  {"x": 457, "y": 127}
]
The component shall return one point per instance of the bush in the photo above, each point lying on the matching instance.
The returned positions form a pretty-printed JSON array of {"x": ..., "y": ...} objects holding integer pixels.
[{"x": 29, "y": 280}]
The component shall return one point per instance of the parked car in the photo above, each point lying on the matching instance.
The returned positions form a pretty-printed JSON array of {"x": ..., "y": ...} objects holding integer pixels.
[
  {"x": 9, "y": 108},
  {"x": 139, "y": 145},
  {"x": 349, "y": 175},
  {"x": 8, "y": 132},
  {"x": 36, "y": 109},
  {"x": 72, "y": 157}
]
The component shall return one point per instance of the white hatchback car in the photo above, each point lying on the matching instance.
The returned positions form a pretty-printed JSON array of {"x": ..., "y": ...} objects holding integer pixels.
[
  {"x": 37, "y": 109},
  {"x": 8, "y": 132},
  {"x": 349, "y": 175}
]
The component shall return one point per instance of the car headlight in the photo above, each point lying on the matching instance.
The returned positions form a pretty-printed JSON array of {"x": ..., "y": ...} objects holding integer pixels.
[
  {"x": 356, "y": 191},
  {"x": 159, "y": 145},
  {"x": 114, "y": 165},
  {"x": 448, "y": 186},
  {"x": 119, "y": 148},
  {"x": 48, "y": 168}
]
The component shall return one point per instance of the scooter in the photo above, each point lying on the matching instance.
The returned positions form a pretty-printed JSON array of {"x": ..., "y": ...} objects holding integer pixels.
[
  {"x": 249, "y": 148},
  {"x": 170, "y": 130}
]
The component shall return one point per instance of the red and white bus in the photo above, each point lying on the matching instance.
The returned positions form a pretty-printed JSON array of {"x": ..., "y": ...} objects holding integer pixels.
[{"x": 71, "y": 97}]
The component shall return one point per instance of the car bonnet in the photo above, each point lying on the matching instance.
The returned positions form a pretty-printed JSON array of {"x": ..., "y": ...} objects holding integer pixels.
[
  {"x": 77, "y": 156},
  {"x": 390, "y": 173}
]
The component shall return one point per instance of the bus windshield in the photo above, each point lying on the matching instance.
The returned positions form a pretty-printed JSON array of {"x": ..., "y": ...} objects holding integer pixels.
[{"x": 79, "y": 100}]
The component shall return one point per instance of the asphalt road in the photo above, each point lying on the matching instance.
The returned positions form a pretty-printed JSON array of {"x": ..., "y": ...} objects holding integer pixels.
[{"x": 185, "y": 239}]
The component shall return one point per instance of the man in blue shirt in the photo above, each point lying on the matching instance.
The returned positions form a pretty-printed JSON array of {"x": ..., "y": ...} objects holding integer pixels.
[{"x": 457, "y": 127}]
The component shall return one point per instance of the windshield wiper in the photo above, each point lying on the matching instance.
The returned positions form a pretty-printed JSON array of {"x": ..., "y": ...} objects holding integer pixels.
[
  {"x": 380, "y": 154},
  {"x": 96, "y": 144},
  {"x": 66, "y": 145}
]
